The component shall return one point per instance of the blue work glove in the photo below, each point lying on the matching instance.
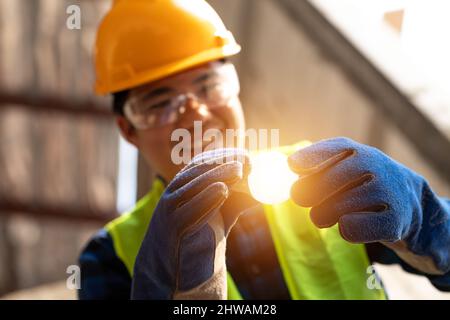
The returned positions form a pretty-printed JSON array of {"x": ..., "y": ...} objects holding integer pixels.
[
  {"x": 373, "y": 198},
  {"x": 183, "y": 253}
]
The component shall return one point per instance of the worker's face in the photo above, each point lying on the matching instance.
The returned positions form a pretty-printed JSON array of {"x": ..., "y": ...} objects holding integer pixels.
[{"x": 208, "y": 93}]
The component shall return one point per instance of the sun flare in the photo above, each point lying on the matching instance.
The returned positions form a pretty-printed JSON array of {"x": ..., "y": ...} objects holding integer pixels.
[{"x": 270, "y": 179}]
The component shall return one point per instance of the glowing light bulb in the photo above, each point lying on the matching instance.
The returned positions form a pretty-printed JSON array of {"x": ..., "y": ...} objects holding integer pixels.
[{"x": 270, "y": 179}]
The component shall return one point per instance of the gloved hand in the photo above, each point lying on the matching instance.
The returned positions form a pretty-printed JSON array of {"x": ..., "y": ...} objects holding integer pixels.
[
  {"x": 183, "y": 253},
  {"x": 373, "y": 198}
]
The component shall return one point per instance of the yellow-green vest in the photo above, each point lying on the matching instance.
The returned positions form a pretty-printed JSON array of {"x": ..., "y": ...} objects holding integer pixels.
[{"x": 316, "y": 263}]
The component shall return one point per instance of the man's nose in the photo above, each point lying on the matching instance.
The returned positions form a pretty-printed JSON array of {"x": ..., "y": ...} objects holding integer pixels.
[{"x": 193, "y": 110}]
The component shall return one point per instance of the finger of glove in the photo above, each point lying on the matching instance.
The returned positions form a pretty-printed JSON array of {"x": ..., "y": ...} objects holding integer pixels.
[
  {"x": 220, "y": 156},
  {"x": 219, "y": 153},
  {"x": 236, "y": 204},
  {"x": 195, "y": 213},
  {"x": 229, "y": 173},
  {"x": 188, "y": 175},
  {"x": 321, "y": 155},
  {"x": 313, "y": 189},
  {"x": 368, "y": 197},
  {"x": 366, "y": 227}
]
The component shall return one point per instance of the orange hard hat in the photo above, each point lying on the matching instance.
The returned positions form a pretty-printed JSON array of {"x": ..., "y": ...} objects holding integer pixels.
[{"x": 140, "y": 41}]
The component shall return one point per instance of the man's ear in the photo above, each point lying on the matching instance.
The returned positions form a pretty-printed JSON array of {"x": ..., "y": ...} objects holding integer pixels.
[{"x": 127, "y": 130}]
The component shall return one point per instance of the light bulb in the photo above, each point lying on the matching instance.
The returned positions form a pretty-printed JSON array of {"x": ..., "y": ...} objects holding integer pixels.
[{"x": 270, "y": 178}]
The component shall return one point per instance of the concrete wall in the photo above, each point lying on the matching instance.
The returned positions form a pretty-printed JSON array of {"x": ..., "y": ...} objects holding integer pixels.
[{"x": 288, "y": 84}]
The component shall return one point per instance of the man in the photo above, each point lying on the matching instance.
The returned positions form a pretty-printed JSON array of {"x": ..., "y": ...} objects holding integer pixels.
[{"x": 165, "y": 62}]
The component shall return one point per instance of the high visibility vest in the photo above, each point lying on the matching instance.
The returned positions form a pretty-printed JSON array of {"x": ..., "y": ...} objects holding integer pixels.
[{"x": 315, "y": 263}]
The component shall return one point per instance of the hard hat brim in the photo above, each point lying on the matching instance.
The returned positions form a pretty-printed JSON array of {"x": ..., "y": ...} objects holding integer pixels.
[{"x": 168, "y": 69}]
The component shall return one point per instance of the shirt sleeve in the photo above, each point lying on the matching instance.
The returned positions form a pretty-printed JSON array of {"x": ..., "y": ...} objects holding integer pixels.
[
  {"x": 379, "y": 253},
  {"x": 442, "y": 282},
  {"x": 103, "y": 274}
]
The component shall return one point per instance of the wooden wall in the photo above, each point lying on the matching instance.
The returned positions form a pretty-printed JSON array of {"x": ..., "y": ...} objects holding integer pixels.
[
  {"x": 289, "y": 84},
  {"x": 53, "y": 161}
]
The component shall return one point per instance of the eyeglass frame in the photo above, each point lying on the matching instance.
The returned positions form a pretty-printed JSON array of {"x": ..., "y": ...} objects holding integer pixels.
[{"x": 173, "y": 106}]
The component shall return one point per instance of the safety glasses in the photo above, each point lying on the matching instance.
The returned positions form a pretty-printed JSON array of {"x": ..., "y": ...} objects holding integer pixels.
[{"x": 212, "y": 88}]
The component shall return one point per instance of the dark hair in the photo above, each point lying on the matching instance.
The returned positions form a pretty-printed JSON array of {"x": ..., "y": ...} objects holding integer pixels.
[{"x": 119, "y": 99}]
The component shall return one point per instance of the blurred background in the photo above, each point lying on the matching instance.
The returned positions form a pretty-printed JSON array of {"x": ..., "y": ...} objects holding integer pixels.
[{"x": 376, "y": 71}]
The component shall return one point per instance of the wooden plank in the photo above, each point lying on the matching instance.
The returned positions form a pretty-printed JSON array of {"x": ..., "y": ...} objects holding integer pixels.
[
  {"x": 49, "y": 103},
  {"x": 80, "y": 214}
]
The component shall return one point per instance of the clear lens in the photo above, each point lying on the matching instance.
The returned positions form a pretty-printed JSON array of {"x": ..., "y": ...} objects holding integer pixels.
[{"x": 216, "y": 91}]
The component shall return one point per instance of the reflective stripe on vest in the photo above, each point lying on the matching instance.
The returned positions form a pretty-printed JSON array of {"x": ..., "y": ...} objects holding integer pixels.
[{"x": 316, "y": 263}]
